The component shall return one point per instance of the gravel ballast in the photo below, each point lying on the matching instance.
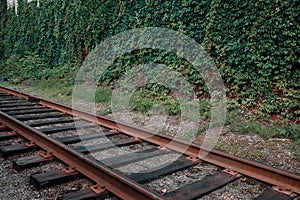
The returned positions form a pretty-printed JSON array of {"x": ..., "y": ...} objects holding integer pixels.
[{"x": 274, "y": 153}]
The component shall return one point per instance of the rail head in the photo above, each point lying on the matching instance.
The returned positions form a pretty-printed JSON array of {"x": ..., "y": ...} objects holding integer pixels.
[
  {"x": 252, "y": 169},
  {"x": 103, "y": 176}
]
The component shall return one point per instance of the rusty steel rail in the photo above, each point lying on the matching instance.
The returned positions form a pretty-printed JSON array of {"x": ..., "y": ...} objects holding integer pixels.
[
  {"x": 281, "y": 179},
  {"x": 105, "y": 178}
]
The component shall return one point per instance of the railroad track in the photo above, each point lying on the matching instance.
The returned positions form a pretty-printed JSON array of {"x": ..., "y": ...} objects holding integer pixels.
[{"x": 73, "y": 137}]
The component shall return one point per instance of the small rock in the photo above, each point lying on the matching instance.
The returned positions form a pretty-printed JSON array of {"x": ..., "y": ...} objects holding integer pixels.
[{"x": 164, "y": 191}]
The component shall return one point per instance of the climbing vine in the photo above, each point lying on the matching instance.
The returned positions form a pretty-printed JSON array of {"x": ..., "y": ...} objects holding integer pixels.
[{"x": 255, "y": 44}]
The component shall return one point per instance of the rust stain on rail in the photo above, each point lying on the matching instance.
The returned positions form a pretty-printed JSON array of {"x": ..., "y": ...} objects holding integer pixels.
[
  {"x": 252, "y": 169},
  {"x": 102, "y": 175}
]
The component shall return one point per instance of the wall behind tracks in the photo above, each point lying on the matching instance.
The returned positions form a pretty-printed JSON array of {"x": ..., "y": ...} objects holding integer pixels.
[{"x": 255, "y": 44}]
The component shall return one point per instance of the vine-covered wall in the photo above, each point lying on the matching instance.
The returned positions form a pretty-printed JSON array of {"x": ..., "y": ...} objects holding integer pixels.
[
  {"x": 255, "y": 44},
  {"x": 3, "y": 18}
]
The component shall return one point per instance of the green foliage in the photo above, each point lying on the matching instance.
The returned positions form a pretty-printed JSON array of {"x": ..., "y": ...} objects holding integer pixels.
[
  {"x": 232, "y": 117},
  {"x": 255, "y": 45},
  {"x": 296, "y": 150},
  {"x": 53, "y": 88},
  {"x": 172, "y": 106},
  {"x": 18, "y": 69},
  {"x": 3, "y": 19},
  {"x": 103, "y": 95},
  {"x": 140, "y": 103},
  {"x": 276, "y": 130},
  {"x": 288, "y": 131}
]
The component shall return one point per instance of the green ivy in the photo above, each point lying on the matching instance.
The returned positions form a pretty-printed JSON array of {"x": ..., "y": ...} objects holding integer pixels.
[
  {"x": 255, "y": 44},
  {"x": 3, "y": 19}
]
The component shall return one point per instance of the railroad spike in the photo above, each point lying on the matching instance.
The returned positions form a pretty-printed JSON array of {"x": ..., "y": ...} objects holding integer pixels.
[
  {"x": 137, "y": 139},
  {"x": 46, "y": 155},
  {"x": 163, "y": 148},
  {"x": 284, "y": 191},
  {"x": 192, "y": 158},
  {"x": 232, "y": 172},
  {"x": 12, "y": 133},
  {"x": 98, "y": 188},
  {"x": 30, "y": 144},
  {"x": 111, "y": 180},
  {"x": 69, "y": 170},
  {"x": 114, "y": 130}
]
